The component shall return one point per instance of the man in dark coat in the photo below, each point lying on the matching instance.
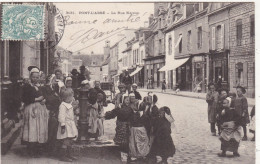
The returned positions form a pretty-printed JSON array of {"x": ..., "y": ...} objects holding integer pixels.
[
  {"x": 75, "y": 83},
  {"x": 127, "y": 80},
  {"x": 81, "y": 76}
]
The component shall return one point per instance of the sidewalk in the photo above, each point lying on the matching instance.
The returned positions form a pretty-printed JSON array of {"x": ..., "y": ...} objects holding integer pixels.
[{"x": 251, "y": 101}]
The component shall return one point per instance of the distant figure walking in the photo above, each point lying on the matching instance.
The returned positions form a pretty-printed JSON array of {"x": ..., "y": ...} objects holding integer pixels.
[{"x": 164, "y": 86}]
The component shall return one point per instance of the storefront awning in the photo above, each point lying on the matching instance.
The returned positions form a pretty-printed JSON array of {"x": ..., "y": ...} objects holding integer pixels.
[
  {"x": 178, "y": 42},
  {"x": 173, "y": 65},
  {"x": 136, "y": 71}
]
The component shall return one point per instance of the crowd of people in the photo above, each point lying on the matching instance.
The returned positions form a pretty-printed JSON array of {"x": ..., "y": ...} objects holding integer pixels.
[
  {"x": 229, "y": 111},
  {"x": 143, "y": 130},
  {"x": 51, "y": 117}
]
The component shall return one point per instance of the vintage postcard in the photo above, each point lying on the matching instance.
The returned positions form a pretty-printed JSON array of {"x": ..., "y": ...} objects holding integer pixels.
[{"x": 128, "y": 82}]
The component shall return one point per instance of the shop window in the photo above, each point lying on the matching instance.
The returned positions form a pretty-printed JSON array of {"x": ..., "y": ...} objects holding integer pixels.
[
  {"x": 170, "y": 45},
  {"x": 189, "y": 40},
  {"x": 239, "y": 31},
  {"x": 199, "y": 37},
  {"x": 218, "y": 41},
  {"x": 241, "y": 74},
  {"x": 142, "y": 56},
  {"x": 180, "y": 46},
  {"x": 160, "y": 45},
  {"x": 252, "y": 28}
]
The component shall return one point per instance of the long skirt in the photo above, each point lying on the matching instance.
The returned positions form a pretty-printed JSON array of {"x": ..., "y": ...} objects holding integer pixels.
[
  {"x": 231, "y": 145},
  {"x": 122, "y": 133},
  {"x": 138, "y": 142},
  {"x": 35, "y": 128},
  {"x": 162, "y": 146},
  {"x": 52, "y": 133}
]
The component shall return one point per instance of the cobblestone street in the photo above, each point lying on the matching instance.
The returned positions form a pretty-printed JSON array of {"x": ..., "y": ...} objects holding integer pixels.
[{"x": 191, "y": 136}]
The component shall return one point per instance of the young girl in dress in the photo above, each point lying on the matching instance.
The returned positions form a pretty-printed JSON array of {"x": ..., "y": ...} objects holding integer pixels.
[
  {"x": 96, "y": 118},
  {"x": 139, "y": 141},
  {"x": 124, "y": 114},
  {"x": 241, "y": 107},
  {"x": 67, "y": 130},
  {"x": 231, "y": 132},
  {"x": 162, "y": 145}
]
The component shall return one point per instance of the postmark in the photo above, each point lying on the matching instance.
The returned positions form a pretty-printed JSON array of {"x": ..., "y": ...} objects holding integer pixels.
[{"x": 22, "y": 22}]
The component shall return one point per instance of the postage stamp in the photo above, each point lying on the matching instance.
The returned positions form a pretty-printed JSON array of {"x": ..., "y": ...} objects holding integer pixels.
[{"x": 22, "y": 22}]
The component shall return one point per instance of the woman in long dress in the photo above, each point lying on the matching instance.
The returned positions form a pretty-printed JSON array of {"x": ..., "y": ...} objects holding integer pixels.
[
  {"x": 35, "y": 130},
  {"x": 212, "y": 100}
]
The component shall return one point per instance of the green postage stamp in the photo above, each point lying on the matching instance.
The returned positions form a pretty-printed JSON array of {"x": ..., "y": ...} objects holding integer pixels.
[{"x": 22, "y": 22}]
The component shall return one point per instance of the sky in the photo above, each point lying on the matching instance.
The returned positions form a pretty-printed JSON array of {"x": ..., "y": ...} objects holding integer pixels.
[{"x": 99, "y": 22}]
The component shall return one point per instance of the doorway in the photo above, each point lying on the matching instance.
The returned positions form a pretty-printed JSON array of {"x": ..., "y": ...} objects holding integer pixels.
[{"x": 14, "y": 60}]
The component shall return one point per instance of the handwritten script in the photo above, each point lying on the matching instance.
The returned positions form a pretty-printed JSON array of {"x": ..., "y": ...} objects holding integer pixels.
[{"x": 91, "y": 36}]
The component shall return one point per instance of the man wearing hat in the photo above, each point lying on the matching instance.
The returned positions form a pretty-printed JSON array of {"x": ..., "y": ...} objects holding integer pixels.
[
  {"x": 136, "y": 93},
  {"x": 81, "y": 76},
  {"x": 127, "y": 80}
]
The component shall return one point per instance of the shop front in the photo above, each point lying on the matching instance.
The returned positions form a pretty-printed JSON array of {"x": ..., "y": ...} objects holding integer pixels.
[
  {"x": 199, "y": 69},
  {"x": 152, "y": 67},
  {"x": 183, "y": 76},
  {"x": 219, "y": 69}
]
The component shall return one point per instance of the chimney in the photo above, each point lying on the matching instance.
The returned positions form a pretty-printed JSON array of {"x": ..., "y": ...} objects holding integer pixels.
[{"x": 150, "y": 19}]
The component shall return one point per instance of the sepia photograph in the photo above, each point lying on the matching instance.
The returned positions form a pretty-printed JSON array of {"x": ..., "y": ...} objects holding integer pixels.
[{"x": 128, "y": 82}]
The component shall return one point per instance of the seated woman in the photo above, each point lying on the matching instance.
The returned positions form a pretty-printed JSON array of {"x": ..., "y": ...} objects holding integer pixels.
[{"x": 231, "y": 130}]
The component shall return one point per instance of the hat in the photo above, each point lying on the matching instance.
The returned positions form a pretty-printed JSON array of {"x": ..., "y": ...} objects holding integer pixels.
[
  {"x": 134, "y": 85},
  {"x": 85, "y": 82},
  {"x": 132, "y": 95},
  {"x": 33, "y": 69},
  {"x": 121, "y": 86},
  {"x": 82, "y": 67},
  {"x": 242, "y": 88},
  {"x": 74, "y": 71}
]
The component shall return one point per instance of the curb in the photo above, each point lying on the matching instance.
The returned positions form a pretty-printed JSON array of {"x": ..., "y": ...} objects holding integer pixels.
[
  {"x": 196, "y": 97},
  {"x": 9, "y": 139}
]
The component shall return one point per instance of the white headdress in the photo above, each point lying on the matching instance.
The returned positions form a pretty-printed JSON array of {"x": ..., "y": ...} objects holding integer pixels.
[
  {"x": 68, "y": 79},
  {"x": 85, "y": 82},
  {"x": 229, "y": 101}
]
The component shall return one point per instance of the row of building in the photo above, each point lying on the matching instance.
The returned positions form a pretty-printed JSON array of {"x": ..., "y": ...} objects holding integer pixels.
[{"x": 189, "y": 45}]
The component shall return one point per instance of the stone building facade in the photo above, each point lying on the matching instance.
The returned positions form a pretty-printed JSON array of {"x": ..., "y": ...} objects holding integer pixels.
[{"x": 242, "y": 47}]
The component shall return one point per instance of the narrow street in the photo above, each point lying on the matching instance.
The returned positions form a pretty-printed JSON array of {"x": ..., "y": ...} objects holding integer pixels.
[{"x": 191, "y": 136}]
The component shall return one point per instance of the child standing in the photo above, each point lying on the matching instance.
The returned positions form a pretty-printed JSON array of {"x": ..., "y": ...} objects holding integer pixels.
[
  {"x": 118, "y": 98},
  {"x": 123, "y": 114},
  {"x": 96, "y": 118},
  {"x": 231, "y": 132},
  {"x": 139, "y": 141},
  {"x": 163, "y": 145},
  {"x": 67, "y": 130}
]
